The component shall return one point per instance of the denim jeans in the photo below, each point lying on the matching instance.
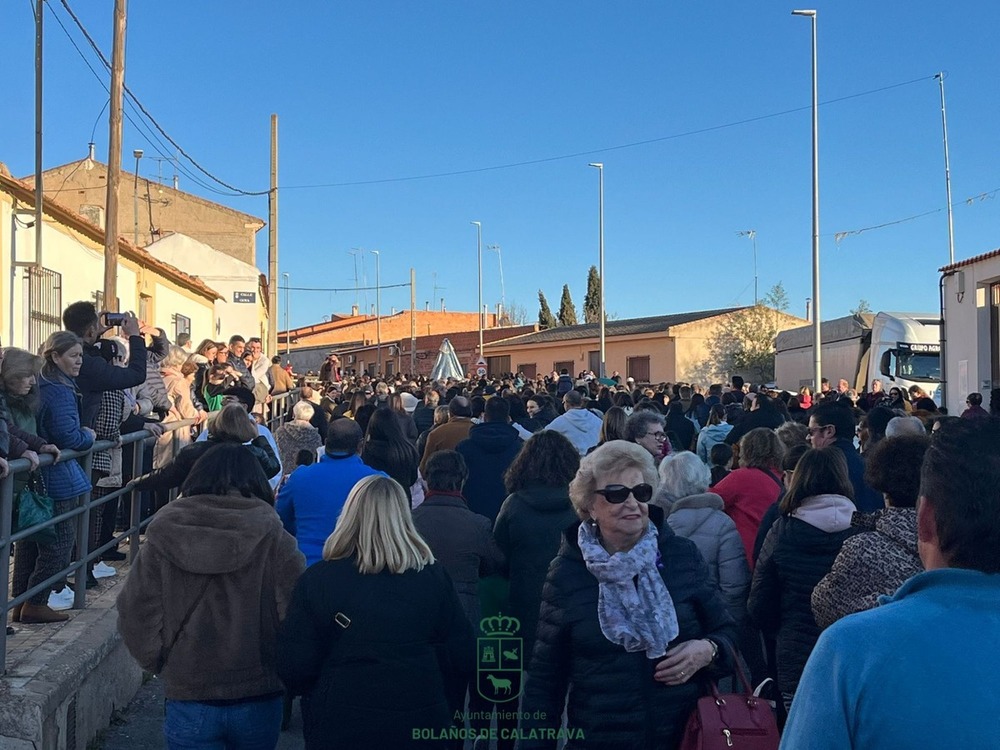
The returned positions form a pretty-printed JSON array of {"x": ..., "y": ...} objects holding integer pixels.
[{"x": 253, "y": 725}]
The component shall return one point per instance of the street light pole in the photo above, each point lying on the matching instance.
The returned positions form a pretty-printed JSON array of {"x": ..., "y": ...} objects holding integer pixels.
[
  {"x": 288, "y": 336},
  {"x": 947, "y": 172},
  {"x": 817, "y": 318},
  {"x": 599, "y": 166},
  {"x": 137, "y": 153},
  {"x": 378, "y": 308},
  {"x": 479, "y": 245}
]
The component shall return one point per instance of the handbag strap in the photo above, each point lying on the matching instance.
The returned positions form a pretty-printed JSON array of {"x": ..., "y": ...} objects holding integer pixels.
[
  {"x": 180, "y": 629},
  {"x": 741, "y": 675}
]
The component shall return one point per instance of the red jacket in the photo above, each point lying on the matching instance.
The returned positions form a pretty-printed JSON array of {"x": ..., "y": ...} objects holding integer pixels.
[{"x": 747, "y": 494}]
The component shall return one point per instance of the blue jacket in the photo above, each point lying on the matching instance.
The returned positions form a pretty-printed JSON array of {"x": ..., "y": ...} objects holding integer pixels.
[
  {"x": 59, "y": 424},
  {"x": 867, "y": 499},
  {"x": 488, "y": 451},
  {"x": 310, "y": 501},
  {"x": 917, "y": 672}
]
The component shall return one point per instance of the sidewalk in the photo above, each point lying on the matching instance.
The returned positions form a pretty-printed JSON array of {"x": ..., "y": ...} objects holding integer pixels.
[{"x": 64, "y": 680}]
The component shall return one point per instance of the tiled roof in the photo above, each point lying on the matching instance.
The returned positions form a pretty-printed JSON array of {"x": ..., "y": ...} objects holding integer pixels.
[
  {"x": 970, "y": 261},
  {"x": 630, "y": 327}
]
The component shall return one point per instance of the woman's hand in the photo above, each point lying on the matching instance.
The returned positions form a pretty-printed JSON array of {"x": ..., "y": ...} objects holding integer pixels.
[
  {"x": 90, "y": 432},
  {"x": 51, "y": 449},
  {"x": 683, "y": 661}
]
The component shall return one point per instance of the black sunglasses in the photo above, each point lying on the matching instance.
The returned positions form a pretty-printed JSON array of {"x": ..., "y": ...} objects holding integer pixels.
[{"x": 618, "y": 493}]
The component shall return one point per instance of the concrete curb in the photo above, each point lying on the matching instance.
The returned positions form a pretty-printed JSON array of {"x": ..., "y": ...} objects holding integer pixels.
[{"x": 66, "y": 690}]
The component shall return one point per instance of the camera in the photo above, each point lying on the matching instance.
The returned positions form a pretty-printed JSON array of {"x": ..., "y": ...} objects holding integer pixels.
[{"x": 114, "y": 319}]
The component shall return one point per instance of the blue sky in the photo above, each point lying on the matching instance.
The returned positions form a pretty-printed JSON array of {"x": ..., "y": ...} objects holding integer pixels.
[{"x": 383, "y": 90}]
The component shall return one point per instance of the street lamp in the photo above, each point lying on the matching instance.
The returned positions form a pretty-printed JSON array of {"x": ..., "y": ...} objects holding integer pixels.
[
  {"x": 752, "y": 234},
  {"x": 137, "y": 153},
  {"x": 600, "y": 245},
  {"x": 817, "y": 318},
  {"x": 378, "y": 308},
  {"x": 288, "y": 336},
  {"x": 479, "y": 244},
  {"x": 503, "y": 299}
]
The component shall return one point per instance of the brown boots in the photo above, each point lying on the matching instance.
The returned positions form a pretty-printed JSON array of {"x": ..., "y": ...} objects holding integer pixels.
[{"x": 38, "y": 613}]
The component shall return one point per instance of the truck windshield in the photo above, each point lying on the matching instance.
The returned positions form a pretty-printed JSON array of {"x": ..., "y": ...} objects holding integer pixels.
[{"x": 925, "y": 366}]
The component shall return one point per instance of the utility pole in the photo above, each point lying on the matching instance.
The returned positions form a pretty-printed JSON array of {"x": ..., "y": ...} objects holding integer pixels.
[
  {"x": 114, "y": 160},
  {"x": 39, "y": 15},
  {"x": 272, "y": 245},
  {"x": 413, "y": 322}
]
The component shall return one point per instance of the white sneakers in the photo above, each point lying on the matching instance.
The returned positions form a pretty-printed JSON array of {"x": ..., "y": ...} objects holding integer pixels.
[
  {"x": 103, "y": 570},
  {"x": 62, "y": 599}
]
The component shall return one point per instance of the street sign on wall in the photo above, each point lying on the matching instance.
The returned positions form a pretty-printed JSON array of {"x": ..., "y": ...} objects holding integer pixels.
[{"x": 245, "y": 297}]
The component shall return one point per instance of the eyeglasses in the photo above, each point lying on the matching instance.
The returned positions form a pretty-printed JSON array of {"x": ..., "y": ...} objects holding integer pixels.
[
  {"x": 814, "y": 430},
  {"x": 656, "y": 435},
  {"x": 616, "y": 494}
]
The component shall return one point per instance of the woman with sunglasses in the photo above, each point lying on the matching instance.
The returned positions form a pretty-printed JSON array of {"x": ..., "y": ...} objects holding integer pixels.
[{"x": 629, "y": 619}]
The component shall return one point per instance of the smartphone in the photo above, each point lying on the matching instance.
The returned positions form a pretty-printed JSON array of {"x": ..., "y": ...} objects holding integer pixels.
[{"x": 114, "y": 319}]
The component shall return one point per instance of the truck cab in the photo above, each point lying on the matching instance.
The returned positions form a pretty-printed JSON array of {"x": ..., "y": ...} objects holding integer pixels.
[{"x": 905, "y": 351}]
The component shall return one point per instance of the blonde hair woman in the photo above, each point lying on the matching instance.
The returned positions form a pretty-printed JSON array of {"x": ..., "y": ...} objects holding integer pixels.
[{"x": 375, "y": 634}]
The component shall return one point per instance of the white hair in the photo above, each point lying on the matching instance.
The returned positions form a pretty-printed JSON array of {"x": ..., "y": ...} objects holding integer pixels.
[
  {"x": 302, "y": 410},
  {"x": 905, "y": 426},
  {"x": 681, "y": 475}
]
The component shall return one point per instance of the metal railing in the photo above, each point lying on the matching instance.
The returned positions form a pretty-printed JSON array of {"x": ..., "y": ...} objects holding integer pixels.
[{"x": 279, "y": 407}]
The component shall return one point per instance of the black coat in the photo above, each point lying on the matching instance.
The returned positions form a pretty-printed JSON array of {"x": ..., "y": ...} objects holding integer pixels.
[
  {"x": 758, "y": 418},
  {"x": 613, "y": 697},
  {"x": 423, "y": 416},
  {"x": 400, "y": 665},
  {"x": 794, "y": 558},
  {"x": 462, "y": 542},
  {"x": 98, "y": 375},
  {"x": 173, "y": 474},
  {"x": 488, "y": 451},
  {"x": 529, "y": 529}
]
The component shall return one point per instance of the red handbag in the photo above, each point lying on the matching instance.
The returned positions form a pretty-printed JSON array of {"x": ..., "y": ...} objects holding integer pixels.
[{"x": 741, "y": 721}]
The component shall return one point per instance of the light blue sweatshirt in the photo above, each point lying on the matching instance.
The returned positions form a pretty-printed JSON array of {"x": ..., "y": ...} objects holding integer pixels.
[{"x": 920, "y": 671}]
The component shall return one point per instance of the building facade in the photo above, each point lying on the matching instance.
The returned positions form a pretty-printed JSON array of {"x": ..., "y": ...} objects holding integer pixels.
[
  {"x": 82, "y": 187},
  {"x": 72, "y": 269},
  {"x": 242, "y": 307},
  {"x": 970, "y": 338}
]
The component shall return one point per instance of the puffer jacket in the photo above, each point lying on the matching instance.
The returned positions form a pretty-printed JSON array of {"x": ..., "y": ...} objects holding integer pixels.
[
  {"x": 529, "y": 529},
  {"x": 203, "y": 601},
  {"x": 154, "y": 391},
  {"x": 59, "y": 424},
  {"x": 613, "y": 699},
  {"x": 701, "y": 519},
  {"x": 490, "y": 448},
  {"x": 174, "y": 473},
  {"x": 798, "y": 552},
  {"x": 869, "y": 565},
  {"x": 709, "y": 437},
  {"x": 13, "y": 440}
]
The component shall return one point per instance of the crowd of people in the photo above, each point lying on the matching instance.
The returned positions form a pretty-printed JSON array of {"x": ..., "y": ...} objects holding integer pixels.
[
  {"x": 93, "y": 381},
  {"x": 564, "y": 562}
]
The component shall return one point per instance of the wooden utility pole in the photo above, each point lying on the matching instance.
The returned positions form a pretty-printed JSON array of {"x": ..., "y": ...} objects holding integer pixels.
[
  {"x": 39, "y": 193},
  {"x": 272, "y": 246},
  {"x": 114, "y": 160},
  {"x": 413, "y": 323}
]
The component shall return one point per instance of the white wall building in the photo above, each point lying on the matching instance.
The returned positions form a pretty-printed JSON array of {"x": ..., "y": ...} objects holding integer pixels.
[
  {"x": 242, "y": 308},
  {"x": 970, "y": 344},
  {"x": 32, "y": 299}
]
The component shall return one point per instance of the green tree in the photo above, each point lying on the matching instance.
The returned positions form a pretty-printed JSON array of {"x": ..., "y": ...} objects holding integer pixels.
[
  {"x": 545, "y": 317},
  {"x": 743, "y": 342},
  {"x": 862, "y": 308},
  {"x": 592, "y": 299},
  {"x": 567, "y": 310}
]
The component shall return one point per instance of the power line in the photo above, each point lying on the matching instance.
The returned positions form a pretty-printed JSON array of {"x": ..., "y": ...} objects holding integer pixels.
[
  {"x": 345, "y": 289},
  {"x": 152, "y": 119}
]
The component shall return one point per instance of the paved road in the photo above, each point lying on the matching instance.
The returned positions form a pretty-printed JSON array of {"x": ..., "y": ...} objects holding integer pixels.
[{"x": 140, "y": 725}]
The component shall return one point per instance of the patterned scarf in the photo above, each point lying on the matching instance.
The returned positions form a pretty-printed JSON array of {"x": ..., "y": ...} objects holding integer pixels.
[{"x": 633, "y": 605}]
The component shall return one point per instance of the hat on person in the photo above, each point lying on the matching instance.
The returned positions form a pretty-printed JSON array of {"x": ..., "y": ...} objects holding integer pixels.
[{"x": 409, "y": 402}]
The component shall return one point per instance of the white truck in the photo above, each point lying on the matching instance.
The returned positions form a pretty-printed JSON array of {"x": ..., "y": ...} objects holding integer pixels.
[{"x": 900, "y": 349}]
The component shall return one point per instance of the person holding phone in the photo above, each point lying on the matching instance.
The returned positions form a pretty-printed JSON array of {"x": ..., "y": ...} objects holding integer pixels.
[{"x": 97, "y": 374}]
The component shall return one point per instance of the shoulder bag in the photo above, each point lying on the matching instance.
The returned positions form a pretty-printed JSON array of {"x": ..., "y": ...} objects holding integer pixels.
[
  {"x": 34, "y": 506},
  {"x": 741, "y": 721}
]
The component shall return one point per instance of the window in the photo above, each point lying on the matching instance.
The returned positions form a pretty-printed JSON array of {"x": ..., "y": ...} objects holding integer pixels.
[
  {"x": 568, "y": 366},
  {"x": 496, "y": 366},
  {"x": 43, "y": 303},
  {"x": 638, "y": 368},
  {"x": 594, "y": 362},
  {"x": 182, "y": 324},
  {"x": 529, "y": 371}
]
